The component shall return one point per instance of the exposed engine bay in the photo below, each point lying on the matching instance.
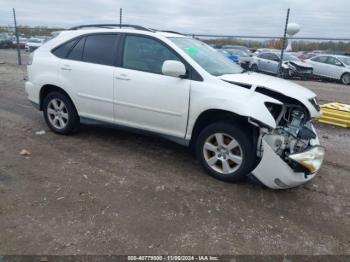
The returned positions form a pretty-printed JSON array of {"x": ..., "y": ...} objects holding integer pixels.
[{"x": 292, "y": 134}]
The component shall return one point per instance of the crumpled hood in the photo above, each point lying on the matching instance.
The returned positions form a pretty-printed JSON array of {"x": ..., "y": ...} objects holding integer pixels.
[
  {"x": 301, "y": 64},
  {"x": 282, "y": 86},
  {"x": 252, "y": 80}
]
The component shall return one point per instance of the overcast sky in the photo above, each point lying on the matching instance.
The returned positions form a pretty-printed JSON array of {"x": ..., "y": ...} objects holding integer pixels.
[{"x": 322, "y": 18}]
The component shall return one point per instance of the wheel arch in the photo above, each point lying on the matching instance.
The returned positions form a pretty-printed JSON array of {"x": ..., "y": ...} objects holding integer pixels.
[
  {"x": 48, "y": 88},
  {"x": 211, "y": 116}
]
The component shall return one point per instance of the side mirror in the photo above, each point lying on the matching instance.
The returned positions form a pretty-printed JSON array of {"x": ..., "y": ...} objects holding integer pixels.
[{"x": 173, "y": 68}]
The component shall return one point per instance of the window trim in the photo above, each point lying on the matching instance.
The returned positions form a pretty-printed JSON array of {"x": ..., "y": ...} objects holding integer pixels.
[
  {"x": 78, "y": 38},
  {"x": 319, "y": 56},
  {"x": 192, "y": 73},
  {"x": 336, "y": 59}
]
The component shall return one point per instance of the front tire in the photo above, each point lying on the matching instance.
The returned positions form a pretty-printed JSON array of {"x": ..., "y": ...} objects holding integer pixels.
[
  {"x": 226, "y": 152},
  {"x": 60, "y": 113},
  {"x": 345, "y": 79}
]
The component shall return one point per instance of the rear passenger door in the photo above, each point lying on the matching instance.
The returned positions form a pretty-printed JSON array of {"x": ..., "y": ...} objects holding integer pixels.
[
  {"x": 335, "y": 67},
  {"x": 263, "y": 62},
  {"x": 273, "y": 63},
  {"x": 87, "y": 71},
  {"x": 319, "y": 65}
]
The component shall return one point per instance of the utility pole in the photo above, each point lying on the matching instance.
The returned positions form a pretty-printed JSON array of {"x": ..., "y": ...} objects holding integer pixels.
[
  {"x": 279, "y": 72},
  {"x": 19, "y": 60},
  {"x": 120, "y": 17}
]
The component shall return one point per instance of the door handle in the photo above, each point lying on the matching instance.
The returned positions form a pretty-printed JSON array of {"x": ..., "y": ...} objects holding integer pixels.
[
  {"x": 123, "y": 77},
  {"x": 66, "y": 68}
]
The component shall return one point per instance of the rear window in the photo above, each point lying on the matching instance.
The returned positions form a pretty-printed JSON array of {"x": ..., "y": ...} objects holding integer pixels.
[
  {"x": 63, "y": 50},
  {"x": 77, "y": 52},
  {"x": 100, "y": 49}
]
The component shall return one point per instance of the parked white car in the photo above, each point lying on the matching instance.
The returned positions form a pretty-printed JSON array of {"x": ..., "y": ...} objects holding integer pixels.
[
  {"x": 34, "y": 43},
  {"x": 180, "y": 88},
  {"x": 332, "y": 66}
]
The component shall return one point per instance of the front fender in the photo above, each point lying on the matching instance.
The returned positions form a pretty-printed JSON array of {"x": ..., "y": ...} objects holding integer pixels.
[{"x": 250, "y": 105}]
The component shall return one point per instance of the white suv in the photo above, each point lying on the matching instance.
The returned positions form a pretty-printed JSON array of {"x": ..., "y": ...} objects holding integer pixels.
[{"x": 176, "y": 86}]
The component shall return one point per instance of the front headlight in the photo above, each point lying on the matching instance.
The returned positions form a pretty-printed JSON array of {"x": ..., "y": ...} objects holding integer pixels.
[{"x": 311, "y": 159}]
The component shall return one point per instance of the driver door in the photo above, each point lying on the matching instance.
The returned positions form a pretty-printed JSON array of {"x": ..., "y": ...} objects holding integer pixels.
[{"x": 144, "y": 97}]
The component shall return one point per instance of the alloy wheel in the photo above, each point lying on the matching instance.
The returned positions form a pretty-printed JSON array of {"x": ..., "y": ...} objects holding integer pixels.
[
  {"x": 222, "y": 153},
  {"x": 346, "y": 79},
  {"x": 57, "y": 113}
]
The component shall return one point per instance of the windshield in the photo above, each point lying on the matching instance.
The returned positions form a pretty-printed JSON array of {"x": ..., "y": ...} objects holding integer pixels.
[
  {"x": 207, "y": 57},
  {"x": 287, "y": 57},
  {"x": 345, "y": 60}
]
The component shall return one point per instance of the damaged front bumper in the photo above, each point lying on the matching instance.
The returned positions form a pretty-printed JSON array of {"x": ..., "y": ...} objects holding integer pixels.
[{"x": 275, "y": 173}]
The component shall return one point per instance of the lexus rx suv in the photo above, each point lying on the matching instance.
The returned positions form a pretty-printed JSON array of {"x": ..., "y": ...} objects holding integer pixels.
[{"x": 238, "y": 123}]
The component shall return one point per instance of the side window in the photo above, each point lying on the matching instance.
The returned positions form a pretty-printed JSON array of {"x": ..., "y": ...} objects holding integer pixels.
[
  {"x": 145, "y": 54},
  {"x": 263, "y": 56},
  {"x": 320, "y": 59},
  {"x": 273, "y": 57},
  {"x": 333, "y": 61},
  {"x": 63, "y": 50},
  {"x": 77, "y": 52},
  {"x": 100, "y": 49}
]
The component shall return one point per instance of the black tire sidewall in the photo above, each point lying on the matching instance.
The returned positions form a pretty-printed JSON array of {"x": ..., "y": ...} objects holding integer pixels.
[
  {"x": 73, "y": 118},
  {"x": 255, "y": 68},
  {"x": 240, "y": 134},
  {"x": 341, "y": 79}
]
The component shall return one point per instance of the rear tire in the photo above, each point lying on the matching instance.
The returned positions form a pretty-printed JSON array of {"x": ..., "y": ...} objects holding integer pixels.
[
  {"x": 226, "y": 152},
  {"x": 60, "y": 113},
  {"x": 345, "y": 79}
]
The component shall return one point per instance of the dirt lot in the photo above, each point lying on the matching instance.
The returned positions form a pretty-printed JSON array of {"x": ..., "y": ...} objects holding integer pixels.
[{"x": 105, "y": 191}]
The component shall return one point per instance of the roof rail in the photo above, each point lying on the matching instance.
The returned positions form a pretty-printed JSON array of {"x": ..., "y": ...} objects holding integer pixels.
[
  {"x": 167, "y": 31},
  {"x": 111, "y": 26}
]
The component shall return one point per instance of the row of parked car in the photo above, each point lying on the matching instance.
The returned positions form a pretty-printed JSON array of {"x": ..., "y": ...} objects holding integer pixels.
[
  {"x": 294, "y": 65},
  {"x": 27, "y": 43}
]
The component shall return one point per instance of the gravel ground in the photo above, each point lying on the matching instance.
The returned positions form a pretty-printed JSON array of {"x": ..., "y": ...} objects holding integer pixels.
[{"x": 104, "y": 191}]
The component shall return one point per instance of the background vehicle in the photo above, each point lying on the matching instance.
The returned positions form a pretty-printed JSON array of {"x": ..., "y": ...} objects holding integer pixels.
[
  {"x": 5, "y": 41},
  {"x": 234, "y": 58},
  {"x": 238, "y": 47},
  {"x": 180, "y": 88},
  {"x": 307, "y": 56},
  {"x": 267, "y": 62},
  {"x": 243, "y": 57},
  {"x": 332, "y": 67},
  {"x": 34, "y": 43}
]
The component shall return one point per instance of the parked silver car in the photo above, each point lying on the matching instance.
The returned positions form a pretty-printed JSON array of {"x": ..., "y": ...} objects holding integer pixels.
[
  {"x": 332, "y": 66},
  {"x": 244, "y": 58},
  {"x": 267, "y": 62}
]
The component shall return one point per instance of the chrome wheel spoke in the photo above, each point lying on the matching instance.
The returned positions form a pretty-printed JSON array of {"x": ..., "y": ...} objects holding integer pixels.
[
  {"x": 236, "y": 159},
  {"x": 64, "y": 116},
  {"x": 50, "y": 111},
  {"x": 55, "y": 104},
  {"x": 212, "y": 161},
  {"x": 210, "y": 147},
  {"x": 62, "y": 124},
  {"x": 225, "y": 167},
  {"x": 219, "y": 139},
  {"x": 233, "y": 144}
]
